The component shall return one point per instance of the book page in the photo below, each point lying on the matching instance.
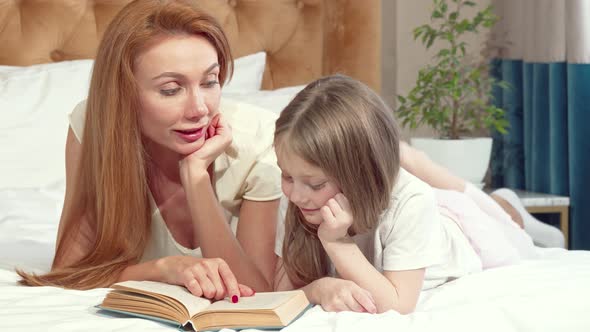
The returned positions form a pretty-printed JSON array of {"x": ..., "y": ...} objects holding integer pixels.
[
  {"x": 192, "y": 303},
  {"x": 260, "y": 301}
]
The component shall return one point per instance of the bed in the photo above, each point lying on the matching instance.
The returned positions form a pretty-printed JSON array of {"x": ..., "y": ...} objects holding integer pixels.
[{"x": 46, "y": 51}]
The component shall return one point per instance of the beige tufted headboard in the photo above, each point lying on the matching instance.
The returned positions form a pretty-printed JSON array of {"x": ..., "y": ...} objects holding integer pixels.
[{"x": 304, "y": 39}]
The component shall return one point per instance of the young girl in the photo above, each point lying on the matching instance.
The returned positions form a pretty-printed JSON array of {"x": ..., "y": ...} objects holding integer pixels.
[{"x": 360, "y": 232}]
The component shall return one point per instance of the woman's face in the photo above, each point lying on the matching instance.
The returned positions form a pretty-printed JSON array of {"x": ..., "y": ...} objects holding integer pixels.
[{"x": 179, "y": 91}]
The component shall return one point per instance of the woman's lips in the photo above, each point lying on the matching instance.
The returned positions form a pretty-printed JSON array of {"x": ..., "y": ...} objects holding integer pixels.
[{"x": 191, "y": 135}]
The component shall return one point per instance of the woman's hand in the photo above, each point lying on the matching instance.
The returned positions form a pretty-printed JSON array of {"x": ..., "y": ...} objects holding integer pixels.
[
  {"x": 207, "y": 277},
  {"x": 337, "y": 216},
  {"x": 217, "y": 138},
  {"x": 335, "y": 294}
]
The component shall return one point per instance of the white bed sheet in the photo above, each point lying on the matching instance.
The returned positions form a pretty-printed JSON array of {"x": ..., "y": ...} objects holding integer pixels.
[{"x": 548, "y": 294}]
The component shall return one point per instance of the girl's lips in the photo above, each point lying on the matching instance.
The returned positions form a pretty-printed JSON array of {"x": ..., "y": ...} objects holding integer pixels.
[
  {"x": 308, "y": 210},
  {"x": 190, "y": 136}
]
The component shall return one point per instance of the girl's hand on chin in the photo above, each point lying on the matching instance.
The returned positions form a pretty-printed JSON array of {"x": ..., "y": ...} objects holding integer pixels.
[
  {"x": 337, "y": 219},
  {"x": 217, "y": 138}
]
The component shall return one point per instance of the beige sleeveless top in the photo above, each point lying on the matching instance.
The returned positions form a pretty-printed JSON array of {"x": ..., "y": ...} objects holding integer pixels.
[{"x": 246, "y": 170}]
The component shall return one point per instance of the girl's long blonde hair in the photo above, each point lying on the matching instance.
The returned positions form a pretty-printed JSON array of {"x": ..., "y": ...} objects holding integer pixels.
[
  {"x": 112, "y": 190},
  {"x": 341, "y": 126}
]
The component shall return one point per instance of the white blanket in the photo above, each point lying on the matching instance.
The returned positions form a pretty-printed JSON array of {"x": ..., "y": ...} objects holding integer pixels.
[{"x": 548, "y": 294}]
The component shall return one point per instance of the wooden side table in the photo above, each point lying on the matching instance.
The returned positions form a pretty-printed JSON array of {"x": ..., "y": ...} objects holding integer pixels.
[{"x": 547, "y": 203}]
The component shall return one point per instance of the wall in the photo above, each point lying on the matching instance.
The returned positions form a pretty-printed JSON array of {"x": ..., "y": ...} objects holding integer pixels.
[{"x": 402, "y": 56}]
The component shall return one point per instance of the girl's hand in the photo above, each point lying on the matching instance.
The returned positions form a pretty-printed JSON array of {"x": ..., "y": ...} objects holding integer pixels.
[
  {"x": 336, "y": 294},
  {"x": 217, "y": 138},
  {"x": 207, "y": 277},
  {"x": 337, "y": 216}
]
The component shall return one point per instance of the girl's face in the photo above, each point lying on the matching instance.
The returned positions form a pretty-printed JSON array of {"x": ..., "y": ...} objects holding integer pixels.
[
  {"x": 179, "y": 91},
  {"x": 306, "y": 186}
]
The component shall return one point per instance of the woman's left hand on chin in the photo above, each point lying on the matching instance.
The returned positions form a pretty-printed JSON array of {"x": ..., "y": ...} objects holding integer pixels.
[{"x": 217, "y": 139}]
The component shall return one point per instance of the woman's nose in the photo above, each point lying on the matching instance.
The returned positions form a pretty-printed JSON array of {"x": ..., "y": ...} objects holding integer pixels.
[{"x": 198, "y": 107}]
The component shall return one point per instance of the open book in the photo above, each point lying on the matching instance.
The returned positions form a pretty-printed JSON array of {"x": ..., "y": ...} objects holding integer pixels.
[{"x": 176, "y": 305}]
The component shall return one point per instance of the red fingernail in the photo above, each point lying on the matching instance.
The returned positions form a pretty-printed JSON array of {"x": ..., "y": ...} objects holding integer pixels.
[
  {"x": 253, "y": 292},
  {"x": 234, "y": 299}
]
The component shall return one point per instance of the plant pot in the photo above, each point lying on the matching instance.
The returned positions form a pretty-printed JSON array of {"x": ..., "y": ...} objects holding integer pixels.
[{"x": 467, "y": 158}]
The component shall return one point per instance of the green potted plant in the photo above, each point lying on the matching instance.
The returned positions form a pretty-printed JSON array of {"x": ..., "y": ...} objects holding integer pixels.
[{"x": 452, "y": 95}]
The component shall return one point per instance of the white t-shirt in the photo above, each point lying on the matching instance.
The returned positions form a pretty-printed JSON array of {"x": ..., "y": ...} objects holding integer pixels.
[
  {"x": 412, "y": 234},
  {"x": 246, "y": 170}
]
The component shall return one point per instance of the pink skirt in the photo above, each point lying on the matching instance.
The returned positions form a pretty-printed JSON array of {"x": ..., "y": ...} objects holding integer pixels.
[{"x": 496, "y": 242}]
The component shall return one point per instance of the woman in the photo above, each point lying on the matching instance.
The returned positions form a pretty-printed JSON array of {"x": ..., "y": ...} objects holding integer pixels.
[{"x": 153, "y": 178}]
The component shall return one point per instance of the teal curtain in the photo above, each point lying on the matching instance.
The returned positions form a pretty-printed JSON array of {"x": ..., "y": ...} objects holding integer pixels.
[
  {"x": 548, "y": 107},
  {"x": 578, "y": 99}
]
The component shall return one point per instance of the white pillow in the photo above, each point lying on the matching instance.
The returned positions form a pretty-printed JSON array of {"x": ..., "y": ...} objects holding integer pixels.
[
  {"x": 272, "y": 100},
  {"x": 248, "y": 72},
  {"x": 35, "y": 102}
]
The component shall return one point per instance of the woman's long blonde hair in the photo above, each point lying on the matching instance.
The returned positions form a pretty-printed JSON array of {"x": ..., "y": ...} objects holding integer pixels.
[
  {"x": 341, "y": 126},
  {"x": 112, "y": 189}
]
